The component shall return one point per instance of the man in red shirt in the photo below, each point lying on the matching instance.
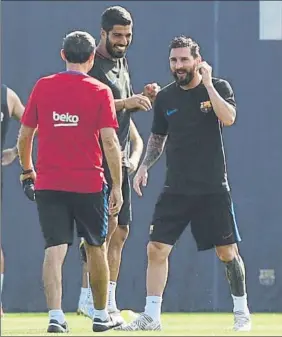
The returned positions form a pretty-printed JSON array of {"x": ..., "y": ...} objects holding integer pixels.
[{"x": 72, "y": 111}]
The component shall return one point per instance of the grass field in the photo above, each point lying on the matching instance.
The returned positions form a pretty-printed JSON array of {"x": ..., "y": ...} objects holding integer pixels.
[{"x": 190, "y": 324}]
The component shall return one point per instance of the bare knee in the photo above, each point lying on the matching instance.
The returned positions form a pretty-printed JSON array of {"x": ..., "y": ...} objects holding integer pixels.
[
  {"x": 56, "y": 255},
  {"x": 227, "y": 253},
  {"x": 113, "y": 224},
  {"x": 158, "y": 252},
  {"x": 122, "y": 233},
  {"x": 119, "y": 237},
  {"x": 94, "y": 252}
]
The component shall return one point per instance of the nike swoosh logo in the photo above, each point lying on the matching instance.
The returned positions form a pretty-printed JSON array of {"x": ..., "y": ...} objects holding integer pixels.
[{"x": 170, "y": 112}]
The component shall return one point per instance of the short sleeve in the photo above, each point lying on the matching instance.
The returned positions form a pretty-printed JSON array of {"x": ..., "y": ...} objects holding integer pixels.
[
  {"x": 225, "y": 91},
  {"x": 107, "y": 115},
  {"x": 126, "y": 68},
  {"x": 30, "y": 117},
  {"x": 160, "y": 125}
]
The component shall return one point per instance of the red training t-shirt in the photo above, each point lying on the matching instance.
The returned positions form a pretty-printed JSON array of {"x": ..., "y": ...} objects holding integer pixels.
[{"x": 70, "y": 109}]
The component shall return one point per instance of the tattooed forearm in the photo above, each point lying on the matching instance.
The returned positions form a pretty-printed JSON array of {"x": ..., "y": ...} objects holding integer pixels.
[{"x": 154, "y": 149}]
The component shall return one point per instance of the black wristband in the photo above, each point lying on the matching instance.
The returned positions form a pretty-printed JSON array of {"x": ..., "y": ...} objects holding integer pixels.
[{"x": 27, "y": 171}]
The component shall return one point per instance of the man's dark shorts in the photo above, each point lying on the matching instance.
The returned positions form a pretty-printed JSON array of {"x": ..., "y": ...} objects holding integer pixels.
[
  {"x": 211, "y": 217},
  {"x": 58, "y": 211}
]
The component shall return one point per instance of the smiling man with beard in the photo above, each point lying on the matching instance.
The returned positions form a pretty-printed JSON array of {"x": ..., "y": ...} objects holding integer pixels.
[
  {"x": 110, "y": 67},
  {"x": 188, "y": 116}
]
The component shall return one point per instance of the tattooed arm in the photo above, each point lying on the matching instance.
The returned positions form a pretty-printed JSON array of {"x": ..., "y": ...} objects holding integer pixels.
[
  {"x": 156, "y": 142},
  {"x": 154, "y": 150}
]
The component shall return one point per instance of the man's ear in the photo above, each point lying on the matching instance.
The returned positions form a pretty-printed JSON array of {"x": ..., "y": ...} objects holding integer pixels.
[
  {"x": 103, "y": 34},
  {"x": 63, "y": 55},
  {"x": 91, "y": 58}
]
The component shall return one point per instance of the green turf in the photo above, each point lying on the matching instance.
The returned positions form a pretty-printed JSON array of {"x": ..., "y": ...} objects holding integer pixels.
[{"x": 190, "y": 324}]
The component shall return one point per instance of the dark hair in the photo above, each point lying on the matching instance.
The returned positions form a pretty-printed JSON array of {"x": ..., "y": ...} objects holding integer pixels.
[
  {"x": 78, "y": 47},
  {"x": 184, "y": 41},
  {"x": 115, "y": 15}
]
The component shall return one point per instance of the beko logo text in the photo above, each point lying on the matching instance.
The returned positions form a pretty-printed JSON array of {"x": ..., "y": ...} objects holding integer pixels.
[{"x": 65, "y": 119}]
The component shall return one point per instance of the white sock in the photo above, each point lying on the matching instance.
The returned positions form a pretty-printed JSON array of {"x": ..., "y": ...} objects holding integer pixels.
[
  {"x": 112, "y": 306},
  {"x": 2, "y": 279},
  {"x": 240, "y": 303},
  {"x": 57, "y": 315},
  {"x": 89, "y": 295},
  {"x": 83, "y": 292},
  {"x": 83, "y": 295},
  {"x": 101, "y": 314},
  {"x": 153, "y": 307}
]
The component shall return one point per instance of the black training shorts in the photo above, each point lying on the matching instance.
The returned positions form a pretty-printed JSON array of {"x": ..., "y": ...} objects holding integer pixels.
[
  {"x": 125, "y": 214},
  {"x": 59, "y": 210},
  {"x": 211, "y": 216}
]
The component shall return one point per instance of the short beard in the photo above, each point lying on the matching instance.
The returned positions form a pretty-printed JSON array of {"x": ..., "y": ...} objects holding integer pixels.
[
  {"x": 188, "y": 78},
  {"x": 114, "y": 54}
]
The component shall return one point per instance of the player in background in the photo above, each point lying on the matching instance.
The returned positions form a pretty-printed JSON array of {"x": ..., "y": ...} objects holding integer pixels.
[
  {"x": 111, "y": 68},
  {"x": 85, "y": 304},
  {"x": 11, "y": 107}
]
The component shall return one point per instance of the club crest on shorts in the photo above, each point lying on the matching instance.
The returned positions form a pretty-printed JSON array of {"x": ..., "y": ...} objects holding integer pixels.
[{"x": 206, "y": 106}]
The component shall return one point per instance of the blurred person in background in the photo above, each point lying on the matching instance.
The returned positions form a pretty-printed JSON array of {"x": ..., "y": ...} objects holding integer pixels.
[
  {"x": 111, "y": 68},
  {"x": 11, "y": 106}
]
